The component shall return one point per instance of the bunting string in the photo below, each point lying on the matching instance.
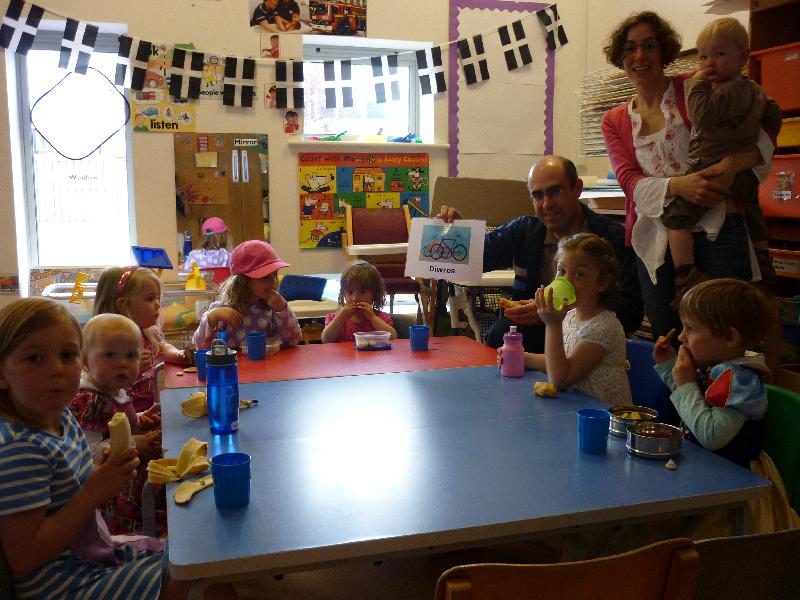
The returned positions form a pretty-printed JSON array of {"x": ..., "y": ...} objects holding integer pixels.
[{"x": 21, "y": 22}]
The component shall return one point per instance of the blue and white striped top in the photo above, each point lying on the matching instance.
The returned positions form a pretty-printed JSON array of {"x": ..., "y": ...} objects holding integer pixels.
[{"x": 42, "y": 470}]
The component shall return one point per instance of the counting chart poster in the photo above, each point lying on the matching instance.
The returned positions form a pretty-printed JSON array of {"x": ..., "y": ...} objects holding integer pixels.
[
  {"x": 329, "y": 181},
  {"x": 449, "y": 251}
]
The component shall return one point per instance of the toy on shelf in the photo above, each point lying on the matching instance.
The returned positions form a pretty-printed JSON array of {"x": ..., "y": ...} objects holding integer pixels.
[
  {"x": 152, "y": 258},
  {"x": 328, "y": 138},
  {"x": 411, "y": 138},
  {"x": 78, "y": 288},
  {"x": 195, "y": 281}
]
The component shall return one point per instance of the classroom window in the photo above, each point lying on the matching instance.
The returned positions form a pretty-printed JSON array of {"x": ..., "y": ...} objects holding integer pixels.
[
  {"x": 411, "y": 114},
  {"x": 78, "y": 212}
]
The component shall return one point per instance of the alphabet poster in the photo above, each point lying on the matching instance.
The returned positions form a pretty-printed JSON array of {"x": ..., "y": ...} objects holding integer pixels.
[
  {"x": 328, "y": 182},
  {"x": 450, "y": 251}
]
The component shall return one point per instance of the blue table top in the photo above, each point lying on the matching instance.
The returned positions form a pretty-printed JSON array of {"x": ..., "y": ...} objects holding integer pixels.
[{"x": 370, "y": 465}]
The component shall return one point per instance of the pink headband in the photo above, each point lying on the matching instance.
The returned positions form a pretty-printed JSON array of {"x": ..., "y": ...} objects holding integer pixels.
[{"x": 124, "y": 278}]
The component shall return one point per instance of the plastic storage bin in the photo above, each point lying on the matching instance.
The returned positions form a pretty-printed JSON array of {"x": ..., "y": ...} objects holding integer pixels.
[
  {"x": 181, "y": 309},
  {"x": 786, "y": 262},
  {"x": 779, "y": 195},
  {"x": 790, "y": 132},
  {"x": 779, "y": 70}
]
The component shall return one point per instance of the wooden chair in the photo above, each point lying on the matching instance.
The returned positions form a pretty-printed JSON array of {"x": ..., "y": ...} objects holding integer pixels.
[
  {"x": 370, "y": 226},
  {"x": 749, "y": 567},
  {"x": 662, "y": 571}
]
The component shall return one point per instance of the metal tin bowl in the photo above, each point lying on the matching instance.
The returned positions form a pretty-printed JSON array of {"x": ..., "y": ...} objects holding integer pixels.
[
  {"x": 654, "y": 440},
  {"x": 623, "y": 415}
]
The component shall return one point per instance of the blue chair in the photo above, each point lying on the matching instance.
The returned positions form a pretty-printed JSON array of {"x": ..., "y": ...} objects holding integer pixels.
[
  {"x": 302, "y": 287},
  {"x": 647, "y": 389}
]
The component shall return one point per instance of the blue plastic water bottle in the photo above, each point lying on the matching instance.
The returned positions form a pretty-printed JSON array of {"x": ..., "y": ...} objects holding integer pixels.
[
  {"x": 187, "y": 244},
  {"x": 222, "y": 388}
]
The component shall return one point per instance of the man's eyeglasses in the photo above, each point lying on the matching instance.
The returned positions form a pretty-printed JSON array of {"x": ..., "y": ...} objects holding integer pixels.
[
  {"x": 554, "y": 193},
  {"x": 647, "y": 46}
]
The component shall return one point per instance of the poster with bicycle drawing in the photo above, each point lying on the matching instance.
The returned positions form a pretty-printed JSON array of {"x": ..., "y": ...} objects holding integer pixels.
[{"x": 450, "y": 251}]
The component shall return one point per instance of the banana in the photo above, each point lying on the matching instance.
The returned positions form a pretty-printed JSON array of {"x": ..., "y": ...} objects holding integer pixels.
[{"x": 120, "y": 429}]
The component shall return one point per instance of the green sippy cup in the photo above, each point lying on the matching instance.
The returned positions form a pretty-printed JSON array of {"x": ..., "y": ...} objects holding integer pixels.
[{"x": 563, "y": 292}]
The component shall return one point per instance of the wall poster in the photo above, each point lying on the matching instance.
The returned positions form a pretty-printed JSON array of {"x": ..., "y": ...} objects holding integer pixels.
[{"x": 330, "y": 181}]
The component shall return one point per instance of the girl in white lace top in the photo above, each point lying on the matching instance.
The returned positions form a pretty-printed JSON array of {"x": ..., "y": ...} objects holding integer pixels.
[{"x": 584, "y": 343}]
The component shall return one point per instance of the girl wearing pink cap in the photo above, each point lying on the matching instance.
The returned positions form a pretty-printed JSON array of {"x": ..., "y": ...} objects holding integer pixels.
[
  {"x": 214, "y": 249},
  {"x": 249, "y": 300}
]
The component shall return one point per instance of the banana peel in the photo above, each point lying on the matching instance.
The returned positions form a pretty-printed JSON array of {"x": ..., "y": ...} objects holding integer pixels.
[
  {"x": 187, "y": 489},
  {"x": 192, "y": 459},
  {"x": 196, "y": 406}
]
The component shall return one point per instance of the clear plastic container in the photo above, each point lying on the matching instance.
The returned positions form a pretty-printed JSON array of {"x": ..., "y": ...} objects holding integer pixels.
[
  {"x": 373, "y": 340},
  {"x": 273, "y": 345}
]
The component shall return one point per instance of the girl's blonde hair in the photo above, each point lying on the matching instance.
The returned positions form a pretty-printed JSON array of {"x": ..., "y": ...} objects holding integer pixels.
[
  {"x": 722, "y": 304},
  {"x": 235, "y": 292},
  {"x": 120, "y": 283},
  {"x": 602, "y": 254},
  {"x": 726, "y": 29},
  {"x": 215, "y": 241},
  {"x": 363, "y": 274},
  {"x": 21, "y": 319}
]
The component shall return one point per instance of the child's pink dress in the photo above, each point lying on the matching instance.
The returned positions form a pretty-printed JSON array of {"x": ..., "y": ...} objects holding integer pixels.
[
  {"x": 93, "y": 410},
  {"x": 351, "y": 328}
]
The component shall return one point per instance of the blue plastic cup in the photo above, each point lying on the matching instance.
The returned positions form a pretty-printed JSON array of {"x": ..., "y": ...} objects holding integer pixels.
[
  {"x": 200, "y": 363},
  {"x": 256, "y": 345},
  {"x": 419, "y": 335},
  {"x": 231, "y": 473},
  {"x": 593, "y": 430}
]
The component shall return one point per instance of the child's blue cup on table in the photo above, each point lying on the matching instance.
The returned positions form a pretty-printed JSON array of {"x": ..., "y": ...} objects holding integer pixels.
[
  {"x": 256, "y": 345},
  {"x": 419, "y": 335},
  {"x": 593, "y": 430},
  {"x": 231, "y": 473},
  {"x": 200, "y": 363}
]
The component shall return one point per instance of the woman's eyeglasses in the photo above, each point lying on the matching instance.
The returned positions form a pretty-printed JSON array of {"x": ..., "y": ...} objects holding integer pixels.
[{"x": 647, "y": 47}]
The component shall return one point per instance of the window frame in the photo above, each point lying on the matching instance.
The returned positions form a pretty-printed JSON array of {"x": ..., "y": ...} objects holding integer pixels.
[
  {"x": 320, "y": 48},
  {"x": 49, "y": 37}
]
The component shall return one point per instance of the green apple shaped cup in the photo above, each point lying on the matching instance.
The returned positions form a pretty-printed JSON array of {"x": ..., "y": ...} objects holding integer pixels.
[{"x": 563, "y": 292}]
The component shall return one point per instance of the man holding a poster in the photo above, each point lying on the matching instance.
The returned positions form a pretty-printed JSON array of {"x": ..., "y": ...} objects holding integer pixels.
[{"x": 528, "y": 245}]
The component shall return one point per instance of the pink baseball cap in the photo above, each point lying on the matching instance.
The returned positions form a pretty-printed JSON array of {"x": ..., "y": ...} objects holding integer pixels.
[
  {"x": 214, "y": 225},
  {"x": 255, "y": 259}
]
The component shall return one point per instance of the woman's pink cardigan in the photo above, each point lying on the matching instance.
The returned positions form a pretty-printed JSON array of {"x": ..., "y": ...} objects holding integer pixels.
[{"x": 618, "y": 135}]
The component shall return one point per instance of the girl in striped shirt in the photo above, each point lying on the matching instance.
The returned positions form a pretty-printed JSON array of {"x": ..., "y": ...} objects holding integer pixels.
[{"x": 51, "y": 533}]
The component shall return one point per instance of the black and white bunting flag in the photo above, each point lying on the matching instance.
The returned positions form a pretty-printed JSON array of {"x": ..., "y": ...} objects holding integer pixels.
[
  {"x": 186, "y": 74},
  {"x": 16, "y": 35},
  {"x": 431, "y": 71},
  {"x": 289, "y": 92},
  {"x": 473, "y": 59},
  {"x": 132, "y": 58},
  {"x": 556, "y": 37},
  {"x": 519, "y": 44},
  {"x": 239, "y": 87},
  {"x": 77, "y": 46},
  {"x": 385, "y": 72},
  {"x": 338, "y": 90}
]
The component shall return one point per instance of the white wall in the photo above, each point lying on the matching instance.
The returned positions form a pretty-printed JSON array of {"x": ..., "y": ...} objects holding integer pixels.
[{"x": 221, "y": 26}]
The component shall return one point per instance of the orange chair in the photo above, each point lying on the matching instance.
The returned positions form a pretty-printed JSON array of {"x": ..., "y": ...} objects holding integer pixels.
[{"x": 662, "y": 571}]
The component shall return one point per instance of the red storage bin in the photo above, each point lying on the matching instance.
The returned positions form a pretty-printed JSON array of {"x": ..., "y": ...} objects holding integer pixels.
[
  {"x": 776, "y": 196},
  {"x": 780, "y": 73}
]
